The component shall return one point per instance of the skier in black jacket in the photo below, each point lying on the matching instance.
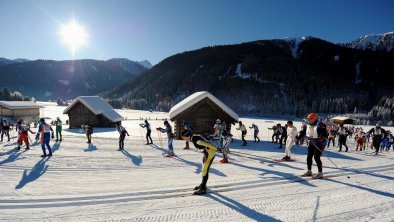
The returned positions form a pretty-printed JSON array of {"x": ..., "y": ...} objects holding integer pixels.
[
  {"x": 317, "y": 135},
  {"x": 378, "y": 134},
  {"x": 209, "y": 152}
]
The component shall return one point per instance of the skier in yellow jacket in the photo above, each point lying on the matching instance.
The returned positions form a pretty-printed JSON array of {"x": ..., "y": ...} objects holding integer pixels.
[{"x": 209, "y": 152}]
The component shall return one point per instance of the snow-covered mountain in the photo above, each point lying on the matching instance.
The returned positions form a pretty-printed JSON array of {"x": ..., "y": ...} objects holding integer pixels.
[
  {"x": 374, "y": 42},
  {"x": 4, "y": 61},
  {"x": 130, "y": 66}
]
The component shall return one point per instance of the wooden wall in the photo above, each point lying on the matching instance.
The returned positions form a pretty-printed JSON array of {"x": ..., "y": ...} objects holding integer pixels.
[
  {"x": 28, "y": 115},
  {"x": 202, "y": 117},
  {"x": 79, "y": 115}
]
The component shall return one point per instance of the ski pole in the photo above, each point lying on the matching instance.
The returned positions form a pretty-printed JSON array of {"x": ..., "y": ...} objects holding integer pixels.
[{"x": 340, "y": 168}]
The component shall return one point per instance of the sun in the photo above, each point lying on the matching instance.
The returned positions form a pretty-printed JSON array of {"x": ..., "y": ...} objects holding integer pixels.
[{"x": 74, "y": 35}]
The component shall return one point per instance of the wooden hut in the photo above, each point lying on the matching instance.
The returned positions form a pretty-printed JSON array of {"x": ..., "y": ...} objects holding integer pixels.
[
  {"x": 201, "y": 110},
  {"x": 93, "y": 111},
  {"x": 15, "y": 110}
]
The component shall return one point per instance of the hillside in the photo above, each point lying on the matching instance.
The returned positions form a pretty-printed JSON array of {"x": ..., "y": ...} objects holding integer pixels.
[
  {"x": 286, "y": 76},
  {"x": 48, "y": 79}
]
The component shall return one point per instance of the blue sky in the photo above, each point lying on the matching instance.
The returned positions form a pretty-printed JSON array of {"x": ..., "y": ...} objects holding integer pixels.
[{"x": 154, "y": 30}]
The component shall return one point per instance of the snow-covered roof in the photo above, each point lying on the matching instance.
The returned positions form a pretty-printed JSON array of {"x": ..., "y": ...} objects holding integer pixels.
[
  {"x": 341, "y": 118},
  {"x": 197, "y": 97},
  {"x": 19, "y": 105},
  {"x": 97, "y": 106}
]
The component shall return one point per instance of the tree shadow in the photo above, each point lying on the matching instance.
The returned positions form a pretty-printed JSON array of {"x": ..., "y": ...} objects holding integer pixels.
[
  {"x": 287, "y": 176},
  {"x": 136, "y": 160},
  {"x": 36, "y": 172},
  {"x": 382, "y": 193},
  {"x": 237, "y": 206},
  {"x": 299, "y": 150},
  {"x": 14, "y": 155},
  {"x": 199, "y": 167},
  {"x": 90, "y": 148}
]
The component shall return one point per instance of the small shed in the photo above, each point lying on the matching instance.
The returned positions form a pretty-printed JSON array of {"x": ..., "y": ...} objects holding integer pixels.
[
  {"x": 342, "y": 119},
  {"x": 93, "y": 111},
  {"x": 15, "y": 110},
  {"x": 201, "y": 110}
]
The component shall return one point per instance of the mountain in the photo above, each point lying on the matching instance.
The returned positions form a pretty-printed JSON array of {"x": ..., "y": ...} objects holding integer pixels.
[
  {"x": 281, "y": 76},
  {"x": 375, "y": 42},
  {"x": 146, "y": 64},
  {"x": 132, "y": 67},
  {"x": 48, "y": 79},
  {"x": 4, "y": 61}
]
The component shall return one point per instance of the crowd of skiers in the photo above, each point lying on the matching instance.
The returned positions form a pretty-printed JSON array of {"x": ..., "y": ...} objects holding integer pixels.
[{"x": 314, "y": 133}]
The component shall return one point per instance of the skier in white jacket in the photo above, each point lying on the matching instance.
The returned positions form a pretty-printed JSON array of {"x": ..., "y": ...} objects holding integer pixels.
[{"x": 291, "y": 139}]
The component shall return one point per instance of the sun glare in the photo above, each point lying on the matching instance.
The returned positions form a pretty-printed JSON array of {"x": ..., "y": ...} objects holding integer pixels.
[{"x": 74, "y": 35}]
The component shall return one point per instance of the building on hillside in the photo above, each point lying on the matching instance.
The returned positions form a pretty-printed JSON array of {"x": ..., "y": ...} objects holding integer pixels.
[
  {"x": 92, "y": 111},
  {"x": 201, "y": 110},
  {"x": 16, "y": 110}
]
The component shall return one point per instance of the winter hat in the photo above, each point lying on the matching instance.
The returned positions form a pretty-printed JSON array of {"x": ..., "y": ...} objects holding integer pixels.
[
  {"x": 312, "y": 116},
  {"x": 42, "y": 120}
]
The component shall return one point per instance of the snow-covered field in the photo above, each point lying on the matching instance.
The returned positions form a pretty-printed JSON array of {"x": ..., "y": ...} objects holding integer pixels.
[{"x": 98, "y": 183}]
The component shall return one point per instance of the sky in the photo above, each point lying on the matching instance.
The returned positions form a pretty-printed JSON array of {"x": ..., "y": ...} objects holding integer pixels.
[{"x": 154, "y": 30}]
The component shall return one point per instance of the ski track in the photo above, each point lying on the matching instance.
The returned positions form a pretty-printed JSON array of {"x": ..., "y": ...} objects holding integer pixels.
[{"x": 100, "y": 184}]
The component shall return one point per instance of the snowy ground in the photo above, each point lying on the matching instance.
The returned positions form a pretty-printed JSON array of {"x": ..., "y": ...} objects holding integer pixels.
[{"x": 98, "y": 183}]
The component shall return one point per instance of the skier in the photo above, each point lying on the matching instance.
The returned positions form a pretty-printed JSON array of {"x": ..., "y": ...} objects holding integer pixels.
[
  {"x": 148, "y": 132},
  {"x": 218, "y": 131},
  {"x": 282, "y": 132},
  {"x": 44, "y": 131},
  {"x": 317, "y": 134},
  {"x": 170, "y": 136},
  {"x": 23, "y": 137},
  {"x": 5, "y": 129},
  {"x": 187, "y": 126},
  {"x": 209, "y": 151},
  {"x": 275, "y": 134},
  {"x": 89, "y": 132},
  {"x": 331, "y": 137},
  {"x": 391, "y": 140},
  {"x": 243, "y": 131},
  {"x": 58, "y": 124},
  {"x": 292, "y": 134},
  {"x": 378, "y": 134},
  {"x": 360, "y": 140},
  {"x": 227, "y": 138},
  {"x": 122, "y": 134},
  {"x": 255, "y": 132},
  {"x": 343, "y": 134}
]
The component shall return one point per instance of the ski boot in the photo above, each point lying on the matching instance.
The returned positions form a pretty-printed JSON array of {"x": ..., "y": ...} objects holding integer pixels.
[
  {"x": 224, "y": 160},
  {"x": 319, "y": 175},
  {"x": 307, "y": 174},
  {"x": 200, "y": 191}
]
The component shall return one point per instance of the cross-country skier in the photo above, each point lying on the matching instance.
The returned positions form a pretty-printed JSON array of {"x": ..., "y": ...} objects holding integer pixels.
[
  {"x": 343, "y": 134},
  {"x": 275, "y": 135},
  {"x": 23, "y": 136},
  {"x": 243, "y": 132},
  {"x": 282, "y": 131},
  {"x": 122, "y": 134},
  {"x": 146, "y": 125},
  {"x": 59, "y": 125},
  {"x": 187, "y": 126},
  {"x": 5, "y": 125},
  {"x": 331, "y": 137},
  {"x": 89, "y": 132},
  {"x": 378, "y": 133},
  {"x": 227, "y": 138},
  {"x": 255, "y": 132},
  {"x": 317, "y": 134},
  {"x": 44, "y": 131},
  {"x": 170, "y": 136},
  {"x": 209, "y": 151},
  {"x": 292, "y": 134}
]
